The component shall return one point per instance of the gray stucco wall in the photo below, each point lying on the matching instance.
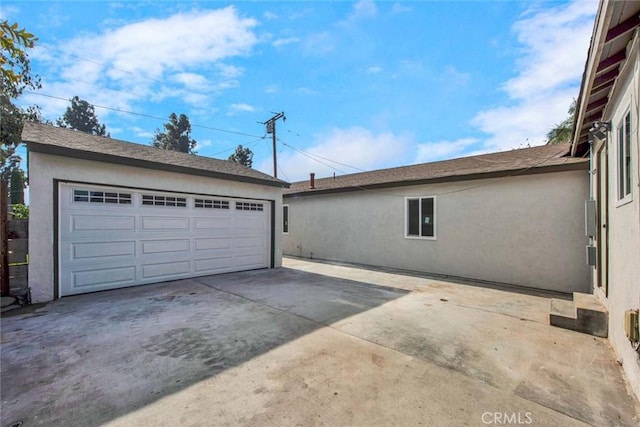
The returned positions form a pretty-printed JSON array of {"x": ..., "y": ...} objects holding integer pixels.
[
  {"x": 44, "y": 168},
  {"x": 520, "y": 230}
]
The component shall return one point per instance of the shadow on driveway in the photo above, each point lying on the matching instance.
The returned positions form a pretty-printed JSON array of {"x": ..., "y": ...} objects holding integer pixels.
[{"x": 89, "y": 359}]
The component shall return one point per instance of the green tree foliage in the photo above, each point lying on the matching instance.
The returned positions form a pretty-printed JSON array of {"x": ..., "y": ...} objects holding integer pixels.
[
  {"x": 20, "y": 211},
  {"x": 15, "y": 78},
  {"x": 81, "y": 115},
  {"x": 242, "y": 155},
  {"x": 16, "y": 187},
  {"x": 563, "y": 132},
  {"x": 177, "y": 135}
]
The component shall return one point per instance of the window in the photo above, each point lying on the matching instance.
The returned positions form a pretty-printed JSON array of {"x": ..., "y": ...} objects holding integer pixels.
[
  {"x": 153, "y": 200},
  {"x": 211, "y": 204},
  {"x": 90, "y": 196},
  {"x": 421, "y": 220},
  {"x": 246, "y": 206},
  {"x": 285, "y": 219},
  {"x": 624, "y": 158}
]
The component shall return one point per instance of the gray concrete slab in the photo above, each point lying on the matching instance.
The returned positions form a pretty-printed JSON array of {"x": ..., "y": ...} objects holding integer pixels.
[{"x": 309, "y": 344}]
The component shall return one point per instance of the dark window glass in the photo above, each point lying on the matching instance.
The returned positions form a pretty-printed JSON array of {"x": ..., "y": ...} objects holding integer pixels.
[
  {"x": 627, "y": 155},
  {"x": 413, "y": 220},
  {"x": 427, "y": 219},
  {"x": 285, "y": 219}
]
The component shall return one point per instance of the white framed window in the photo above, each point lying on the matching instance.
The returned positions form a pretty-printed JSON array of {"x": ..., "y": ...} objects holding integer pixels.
[
  {"x": 99, "y": 196},
  {"x": 624, "y": 159},
  {"x": 285, "y": 219},
  {"x": 420, "y": 217},
  {"x": 211, "y": 204},
  {"x": 154, "y": 200},
  {"x": 247, "y": 206}
]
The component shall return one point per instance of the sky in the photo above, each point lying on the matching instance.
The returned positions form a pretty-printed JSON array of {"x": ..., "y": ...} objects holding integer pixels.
[{"x": 364, "y": 85}]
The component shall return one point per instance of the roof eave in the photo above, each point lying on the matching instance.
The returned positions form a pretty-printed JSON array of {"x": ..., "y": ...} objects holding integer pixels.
[
  {"x": 146, "y": 164},
  {"x": 573, "y": 166}
]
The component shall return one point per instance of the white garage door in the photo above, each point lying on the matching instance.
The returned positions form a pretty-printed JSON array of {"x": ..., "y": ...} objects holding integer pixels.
[{"x": 113, "y": 237}]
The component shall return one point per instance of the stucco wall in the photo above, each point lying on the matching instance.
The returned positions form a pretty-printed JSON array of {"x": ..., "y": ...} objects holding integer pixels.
[
  {"x": 519, "y": 230},
  {"x": 624, "y": 223},
  {"x": 44, "y": 168}
]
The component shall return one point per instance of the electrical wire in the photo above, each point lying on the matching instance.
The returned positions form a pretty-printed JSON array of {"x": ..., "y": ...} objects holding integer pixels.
[
  {"x": 149, "y": 116},
  {"x": 484, "y": 184}
]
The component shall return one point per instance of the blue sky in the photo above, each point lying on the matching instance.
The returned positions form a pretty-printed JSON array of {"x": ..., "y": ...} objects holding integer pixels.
[{"x": 366, "y": 84}]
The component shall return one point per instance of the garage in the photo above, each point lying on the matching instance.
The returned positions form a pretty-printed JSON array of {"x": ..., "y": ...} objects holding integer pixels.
[
  {"x": 117, "y": 237},
  {"x": 108, "y": 214}
]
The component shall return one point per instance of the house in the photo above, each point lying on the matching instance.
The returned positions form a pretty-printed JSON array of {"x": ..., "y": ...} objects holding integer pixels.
[
  {"x": 106, "y": 214},
  {"x": 507, "y": 218},
  {"x": 606, "y": 132}
]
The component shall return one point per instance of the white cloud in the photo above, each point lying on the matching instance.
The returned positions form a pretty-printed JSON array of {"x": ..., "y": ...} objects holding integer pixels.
[
  {"x": 454, "y": 77},
  {"x": 353, "y": 146},
  {"x": 400, "y": 8},
  {"x": 374, "y": 69},
  {"x": 549, "y": 70},
  {"x": 192, "y": 81},
  {"x": 270, "y": 15},
  {"x": 142, "y": 133},
  {"x": 319, "y": 43},
  {"x": 241, "y": 108},
  {"x": 229, "y": 71},
  {"x": 272, "y": 89},
  {"x": 551, "y": 57},
  {"x": 440, "y": 150},
  {"x": 154, "y": 58},
  {"x": 364, "y": 9},
  {"x": 307, "y": 91},
  {"x": 285, "y": 41},
  {"x": 7, "y": 12}
]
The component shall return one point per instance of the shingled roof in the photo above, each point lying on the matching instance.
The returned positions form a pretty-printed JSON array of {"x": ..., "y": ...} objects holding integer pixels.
[
  {"x": 546, "y": 158},
  {"x": 71, "y": 143}
]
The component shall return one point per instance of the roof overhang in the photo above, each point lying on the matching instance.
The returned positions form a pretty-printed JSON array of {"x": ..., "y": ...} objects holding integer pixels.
[
  {"x": 615, "y": 25},
  {"x": 582, "y": 165},
  {"x": 36, "y": 147}
]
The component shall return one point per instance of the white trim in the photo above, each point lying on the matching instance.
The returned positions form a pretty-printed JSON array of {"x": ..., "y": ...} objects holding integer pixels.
[
  {"x": 406, "y": 217},
  {"x": 621, "y": 173}
]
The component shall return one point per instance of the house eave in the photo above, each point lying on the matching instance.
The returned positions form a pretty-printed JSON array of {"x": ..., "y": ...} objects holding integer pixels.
[
  {"x": 573, "y": 166},
  {"x": 146, "y": 164}
]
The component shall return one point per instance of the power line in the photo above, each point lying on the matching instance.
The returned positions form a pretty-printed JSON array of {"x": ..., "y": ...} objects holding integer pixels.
[
  {"x": 149, "y": 116},
  {"x": 484, "y": 184},
  {"x": 306, "y": 153}
]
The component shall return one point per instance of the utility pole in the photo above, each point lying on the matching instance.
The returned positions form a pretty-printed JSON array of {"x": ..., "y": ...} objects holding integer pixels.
[{"x": 271, "y": 128}]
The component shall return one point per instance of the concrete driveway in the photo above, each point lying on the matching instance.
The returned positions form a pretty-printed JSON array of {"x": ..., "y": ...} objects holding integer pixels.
[{"x": 309, "y": 344}]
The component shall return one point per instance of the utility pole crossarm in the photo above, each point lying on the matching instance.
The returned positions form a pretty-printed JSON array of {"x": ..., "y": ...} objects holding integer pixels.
[{"x": 271, "y": 128}]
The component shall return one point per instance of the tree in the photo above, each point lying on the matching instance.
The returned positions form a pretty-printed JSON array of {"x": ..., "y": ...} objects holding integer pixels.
[
  {"x": 82, "y": 116},
  {"x": 563, "y": 132},
  {"x": 177, "y": 135},
  {"x": 15, "y": 77},
  {"x": 242, "y": 155},
  {"x": 16, "y": 187}
]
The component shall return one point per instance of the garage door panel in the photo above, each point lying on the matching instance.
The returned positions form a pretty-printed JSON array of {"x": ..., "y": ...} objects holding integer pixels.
[
  {"x": 94, "y": 251},
  {"x": 164, "y": 224},
  {"x": 250, "y": 261},
  {"x": 81, "y": 223},
  {"x": 210, "y": 265},
  {"x": 208, "y": 243},
  {"x": 214, "y": 223},
  {"x": 250, "y": 242},
  {"x": 164, "y": 246},
  {"x": 111, "y": 245},
  {"x": 81, "y": 280},
  {"x": 165, "y": 270}
]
